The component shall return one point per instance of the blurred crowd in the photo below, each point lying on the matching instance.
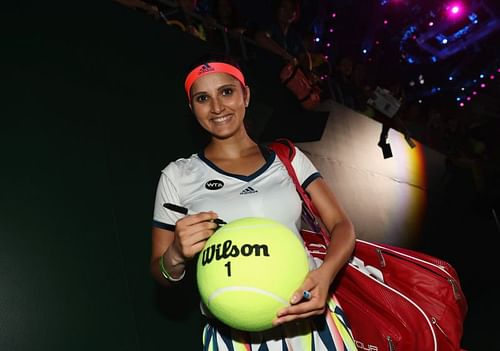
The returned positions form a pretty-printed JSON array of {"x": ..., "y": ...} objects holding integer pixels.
[{"x": 283, "y": 30}]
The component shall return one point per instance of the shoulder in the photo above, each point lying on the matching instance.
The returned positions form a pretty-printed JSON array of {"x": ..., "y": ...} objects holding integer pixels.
[
  {"x": 300, "y": 155},
  {"x": 182, "y": 166}
]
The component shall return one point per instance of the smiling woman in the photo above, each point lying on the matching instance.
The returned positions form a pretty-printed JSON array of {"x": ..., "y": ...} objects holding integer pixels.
[
  {"x": 234, "y": 177},
  {"x": 218, "y": 98}
]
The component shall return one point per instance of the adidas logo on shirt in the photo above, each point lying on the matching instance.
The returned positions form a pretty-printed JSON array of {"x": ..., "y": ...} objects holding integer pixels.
[{"x": 249, "y": 190}]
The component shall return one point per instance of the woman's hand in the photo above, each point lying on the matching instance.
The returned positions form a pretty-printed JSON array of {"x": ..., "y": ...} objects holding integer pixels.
[
  {"x": 317, "y": 283},
  {"x": 191, "y": 233}
]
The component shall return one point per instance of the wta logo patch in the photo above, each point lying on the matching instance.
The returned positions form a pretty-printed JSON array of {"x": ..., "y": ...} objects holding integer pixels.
[{"x": 214, "y": 184}]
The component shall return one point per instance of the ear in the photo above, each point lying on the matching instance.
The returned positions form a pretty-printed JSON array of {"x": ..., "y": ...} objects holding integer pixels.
[{"x": 246, "y": 95}]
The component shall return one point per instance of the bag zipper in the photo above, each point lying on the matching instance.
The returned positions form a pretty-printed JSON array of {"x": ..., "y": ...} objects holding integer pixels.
[
  {"x": 382, "y": 250},
  {"x": 390, "y": 343},
  {"x": 422, "y": 313},
  {"x": 434, "y": 322}
]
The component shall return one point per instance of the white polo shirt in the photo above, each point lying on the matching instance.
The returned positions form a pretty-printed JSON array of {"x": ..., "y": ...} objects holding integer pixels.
[{"x": 199, "y": 185}]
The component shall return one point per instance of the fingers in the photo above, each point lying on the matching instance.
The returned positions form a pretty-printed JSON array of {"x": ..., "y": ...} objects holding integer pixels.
[
  {"x": 309, "y": 300},
  {"x": 299, "y": 295},
  {"x": 192, "y": 231},
  {"x": 197, "y": 218},
  {"x": 299, "y": 311}
]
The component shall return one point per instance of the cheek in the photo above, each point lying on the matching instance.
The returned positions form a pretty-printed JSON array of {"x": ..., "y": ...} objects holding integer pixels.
[{"x": 199, "y": 111}]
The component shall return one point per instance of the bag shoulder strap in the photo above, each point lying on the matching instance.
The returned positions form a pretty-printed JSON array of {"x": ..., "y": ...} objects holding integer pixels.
[{"x": 285, "y": 150}]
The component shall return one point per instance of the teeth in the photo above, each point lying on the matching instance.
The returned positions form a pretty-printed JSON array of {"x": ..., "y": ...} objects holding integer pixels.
[{"x": 221, "y": 119}]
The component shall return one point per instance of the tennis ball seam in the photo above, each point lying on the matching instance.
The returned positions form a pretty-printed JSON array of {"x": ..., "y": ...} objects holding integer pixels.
[{"x": 220, "y": 291}]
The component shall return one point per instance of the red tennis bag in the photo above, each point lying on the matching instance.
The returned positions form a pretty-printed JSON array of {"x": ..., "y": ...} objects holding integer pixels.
[{"x": 394, "y": 298}]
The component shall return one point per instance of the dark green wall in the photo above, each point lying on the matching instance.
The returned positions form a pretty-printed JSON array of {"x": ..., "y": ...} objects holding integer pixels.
[{"x": 92, "y": 109}]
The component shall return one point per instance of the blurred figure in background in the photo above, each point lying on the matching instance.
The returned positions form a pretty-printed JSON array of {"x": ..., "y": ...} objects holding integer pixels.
[
  {"x": 185, "y": 19},
  {"x": 225, "y": 13},
  {"x": 281, "y": 36}
]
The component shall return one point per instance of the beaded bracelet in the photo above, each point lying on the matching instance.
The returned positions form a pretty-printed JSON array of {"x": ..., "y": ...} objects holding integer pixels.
[{"x": 167, "y": 275}]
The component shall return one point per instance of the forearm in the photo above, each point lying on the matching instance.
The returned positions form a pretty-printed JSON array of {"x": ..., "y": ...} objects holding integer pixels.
[
  {"x": 173, "y": 264},
  {"x": 266, "y": 42},
  {"x": 339, "y": 250}
]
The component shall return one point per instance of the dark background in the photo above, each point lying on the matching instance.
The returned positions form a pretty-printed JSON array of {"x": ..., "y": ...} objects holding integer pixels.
[{"x": 92, "y": 111}]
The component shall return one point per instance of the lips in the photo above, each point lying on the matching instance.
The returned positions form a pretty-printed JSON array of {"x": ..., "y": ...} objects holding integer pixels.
[{"x": 222, "y": 119}]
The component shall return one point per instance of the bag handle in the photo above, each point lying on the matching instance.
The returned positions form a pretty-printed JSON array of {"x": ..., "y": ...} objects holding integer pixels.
[{"x": 285, "y": 150}]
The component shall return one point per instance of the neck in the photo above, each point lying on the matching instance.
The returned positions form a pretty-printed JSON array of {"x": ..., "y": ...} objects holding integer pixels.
[{"x": 234, "y": 147}]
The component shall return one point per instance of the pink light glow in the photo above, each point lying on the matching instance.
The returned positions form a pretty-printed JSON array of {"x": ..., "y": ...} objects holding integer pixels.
[
  {"x": 462, "y": 104},
  {"x": 468, "y": 98},
  {"x": 483, "y": 85},
  {"x": 454, "y": 9},
  {"x": 492, "y": 77},
  {"x": 334, "y": 15},
  {"x": 474, "y": 92}
]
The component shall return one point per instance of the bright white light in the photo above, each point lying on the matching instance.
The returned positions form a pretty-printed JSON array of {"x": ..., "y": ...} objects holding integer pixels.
[{"x": 454, "y": 9}]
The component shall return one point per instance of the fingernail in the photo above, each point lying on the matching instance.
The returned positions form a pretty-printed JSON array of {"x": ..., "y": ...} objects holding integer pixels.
[{"x": 294, "y": 299}]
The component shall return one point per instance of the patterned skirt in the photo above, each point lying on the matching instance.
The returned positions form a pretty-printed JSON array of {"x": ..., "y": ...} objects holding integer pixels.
[{"x": 328, "y": 332}]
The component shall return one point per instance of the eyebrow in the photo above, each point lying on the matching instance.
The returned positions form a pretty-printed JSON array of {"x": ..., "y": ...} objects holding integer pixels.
[{"x": 222, "y": 87}]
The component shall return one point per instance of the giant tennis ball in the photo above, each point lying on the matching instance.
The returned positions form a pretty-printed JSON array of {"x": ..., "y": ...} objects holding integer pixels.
[{"x": 248, "y": 270}]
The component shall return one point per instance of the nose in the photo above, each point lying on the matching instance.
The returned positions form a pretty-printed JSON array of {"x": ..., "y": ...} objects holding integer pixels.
[{"x": 217, "y": 107}]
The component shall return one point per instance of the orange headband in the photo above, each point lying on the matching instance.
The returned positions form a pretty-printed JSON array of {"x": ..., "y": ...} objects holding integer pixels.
[{"x": 212, "y": 67}]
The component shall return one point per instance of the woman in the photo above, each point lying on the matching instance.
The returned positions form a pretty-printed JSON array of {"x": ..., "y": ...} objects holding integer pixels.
[{"x": 218, "y": 97}]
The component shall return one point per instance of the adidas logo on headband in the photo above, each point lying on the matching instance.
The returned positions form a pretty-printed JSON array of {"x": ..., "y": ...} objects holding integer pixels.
[{"x": 205, "y": 68}]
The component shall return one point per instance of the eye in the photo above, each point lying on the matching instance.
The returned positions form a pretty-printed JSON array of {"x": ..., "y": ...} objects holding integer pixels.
[
  {"x": 201, "y": 98},
  {"x": 227, "y": 91}
]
